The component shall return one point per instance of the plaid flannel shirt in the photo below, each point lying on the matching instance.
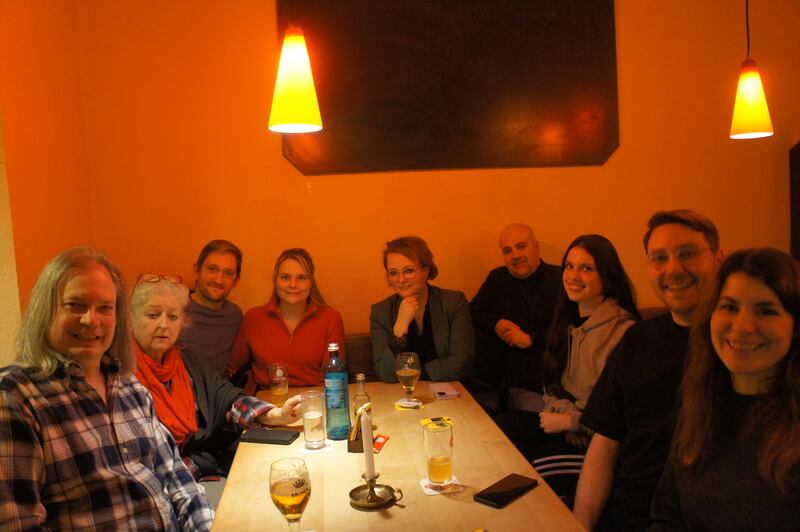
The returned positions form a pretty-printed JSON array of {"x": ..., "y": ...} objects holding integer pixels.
[
  {"x": 246, "y": 410},
  {"x": 69, "y": 462}
]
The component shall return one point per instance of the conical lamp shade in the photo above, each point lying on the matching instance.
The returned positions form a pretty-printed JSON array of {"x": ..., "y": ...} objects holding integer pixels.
[
  {"x": 750, "y": 113},
  {"x": 294, "y": 103}
]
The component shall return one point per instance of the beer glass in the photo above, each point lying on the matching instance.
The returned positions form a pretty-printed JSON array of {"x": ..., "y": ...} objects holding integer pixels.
[
  {"x": 290, "y": 489},
  {"x": 278, "y": 382},
  {"x": 313, "y": 426},
  {"x": 408, "y": 372},
  {"x": 438, "y": 438}
]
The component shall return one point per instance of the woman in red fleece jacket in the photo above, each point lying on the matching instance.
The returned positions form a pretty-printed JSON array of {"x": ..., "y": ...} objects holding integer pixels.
[{"x": 295, "y": 327}]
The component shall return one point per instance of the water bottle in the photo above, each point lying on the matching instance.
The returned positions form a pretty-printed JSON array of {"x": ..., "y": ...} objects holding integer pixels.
[{"x": 337, "y": 410}]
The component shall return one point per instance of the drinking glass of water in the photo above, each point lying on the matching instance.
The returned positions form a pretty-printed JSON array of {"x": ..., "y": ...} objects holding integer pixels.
[{"x": 313, "y": 421}]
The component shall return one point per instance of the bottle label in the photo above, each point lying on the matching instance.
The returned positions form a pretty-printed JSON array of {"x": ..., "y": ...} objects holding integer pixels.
[
  {"x": 335, "y": 390},
  {"x": 337, "y": 411}
]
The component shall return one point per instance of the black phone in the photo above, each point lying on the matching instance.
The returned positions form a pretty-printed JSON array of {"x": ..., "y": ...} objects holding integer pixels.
[
  {"x": 506, "y": 490},
  {"x": 280, "y": 437}
]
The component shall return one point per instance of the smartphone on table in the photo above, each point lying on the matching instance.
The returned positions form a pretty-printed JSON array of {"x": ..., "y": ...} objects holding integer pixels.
[
  {"x": 506, "y": 490},
  {"x": 265, "y": 435}
]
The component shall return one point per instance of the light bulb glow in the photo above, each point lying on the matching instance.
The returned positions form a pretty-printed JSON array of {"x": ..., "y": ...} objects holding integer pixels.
[
  {"x": 751, "y": 118},
  {"x": 294, "y": 102}
]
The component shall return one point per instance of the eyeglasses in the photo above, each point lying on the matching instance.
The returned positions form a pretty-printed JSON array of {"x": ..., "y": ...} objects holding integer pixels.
[
  {"x": 407, "y": 272},
  {"x": 686, "y": 255},
  {"x": 213, "y": 269},
  {"x": 156, "y": 277}
]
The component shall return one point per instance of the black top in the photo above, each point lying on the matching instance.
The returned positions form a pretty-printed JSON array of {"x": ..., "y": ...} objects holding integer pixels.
[
  {"x": 423, "y": 344},
  {"x": 635, "y": 402},
  {"x": 529, "y": 303},
  {"x": 580, "y": 320},
  {"x": 726, "y": 493}
]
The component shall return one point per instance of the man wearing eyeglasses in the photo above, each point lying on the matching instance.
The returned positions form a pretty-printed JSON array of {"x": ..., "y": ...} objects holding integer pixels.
[
  {"x": 214, "y": 321},
  {"x": 633, "y": 405},
  {"x": 511, "y": 313}
]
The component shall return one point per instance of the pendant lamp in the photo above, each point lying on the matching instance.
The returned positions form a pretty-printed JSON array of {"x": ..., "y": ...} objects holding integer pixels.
[
  {"x": 294, "y": 103},
  {"x": 750, "y": 113}
]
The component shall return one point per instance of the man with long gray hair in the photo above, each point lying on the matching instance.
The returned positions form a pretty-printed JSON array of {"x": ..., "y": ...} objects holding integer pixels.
[{"x": 80, "y": 445}]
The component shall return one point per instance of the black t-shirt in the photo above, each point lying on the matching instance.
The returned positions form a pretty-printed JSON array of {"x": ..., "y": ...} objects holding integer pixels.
[
  {"x": 635, "y": 403},
  {"x": 726, "y": 492}
]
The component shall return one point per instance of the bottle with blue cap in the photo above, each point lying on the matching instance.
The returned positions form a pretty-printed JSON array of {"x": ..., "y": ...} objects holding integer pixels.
[{"x": 337, "y": 409}]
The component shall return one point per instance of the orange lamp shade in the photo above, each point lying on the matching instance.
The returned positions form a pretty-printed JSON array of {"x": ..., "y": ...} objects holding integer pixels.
[
  {"x": 294, "y": 103},
  {"x": 750, "y": 113}
]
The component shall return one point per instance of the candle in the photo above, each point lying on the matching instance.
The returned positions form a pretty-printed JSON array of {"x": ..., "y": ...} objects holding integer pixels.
[{"x": 366, "y": 438}]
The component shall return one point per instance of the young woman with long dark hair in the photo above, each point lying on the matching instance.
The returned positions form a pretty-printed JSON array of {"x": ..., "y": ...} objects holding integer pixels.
[
  {"x": 735, "y": 461},
  {"x": 595, "y": 307}
]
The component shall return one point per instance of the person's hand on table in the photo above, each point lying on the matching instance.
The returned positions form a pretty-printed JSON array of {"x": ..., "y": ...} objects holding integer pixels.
[{"x": 288, "y": 413}]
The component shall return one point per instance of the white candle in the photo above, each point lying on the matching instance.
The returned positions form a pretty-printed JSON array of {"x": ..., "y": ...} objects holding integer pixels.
[{"x": 366, "y": 438}]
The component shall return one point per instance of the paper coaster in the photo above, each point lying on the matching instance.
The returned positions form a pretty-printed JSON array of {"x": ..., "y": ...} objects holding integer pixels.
[
  {"x": 454, "y": 487},
  {"x": 328, "y": 448},
  {"x": 398, "y": 406}
]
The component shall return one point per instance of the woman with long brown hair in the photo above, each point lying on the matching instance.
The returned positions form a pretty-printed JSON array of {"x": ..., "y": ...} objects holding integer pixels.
[{"x": 735, "y": 461}]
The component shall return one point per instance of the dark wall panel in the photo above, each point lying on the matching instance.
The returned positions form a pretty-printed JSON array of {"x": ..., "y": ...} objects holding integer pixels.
[{"x": 426, "y": 84}]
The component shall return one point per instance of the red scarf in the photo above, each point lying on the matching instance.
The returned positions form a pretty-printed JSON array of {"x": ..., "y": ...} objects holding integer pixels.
[{"x": 174, "y": 408}]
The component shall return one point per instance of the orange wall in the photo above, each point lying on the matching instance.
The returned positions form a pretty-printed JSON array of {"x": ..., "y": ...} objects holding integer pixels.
[
  {"x": 40, "y": 103},
  {"x": 173, "y": 103}
]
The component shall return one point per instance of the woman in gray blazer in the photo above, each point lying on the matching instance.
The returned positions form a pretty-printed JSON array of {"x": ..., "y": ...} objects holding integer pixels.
[{"x": 433, "y": 322}]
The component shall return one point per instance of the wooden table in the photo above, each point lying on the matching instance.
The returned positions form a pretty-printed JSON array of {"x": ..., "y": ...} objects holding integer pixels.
[{"x": 482, "y": 455}]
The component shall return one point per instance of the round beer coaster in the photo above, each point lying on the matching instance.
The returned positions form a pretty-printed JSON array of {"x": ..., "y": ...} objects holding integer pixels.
[{"x": 429, "y": 489}]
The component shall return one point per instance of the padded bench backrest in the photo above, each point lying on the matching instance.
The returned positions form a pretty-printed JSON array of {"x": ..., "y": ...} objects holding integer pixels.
[{"x": 359, "y": 357}]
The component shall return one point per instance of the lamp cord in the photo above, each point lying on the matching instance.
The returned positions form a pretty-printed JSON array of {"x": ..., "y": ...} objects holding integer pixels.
[{"x": 747, "y": 24}]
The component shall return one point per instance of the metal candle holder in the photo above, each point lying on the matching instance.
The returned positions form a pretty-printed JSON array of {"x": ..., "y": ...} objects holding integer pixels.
[{"x": 370, "y": 496}]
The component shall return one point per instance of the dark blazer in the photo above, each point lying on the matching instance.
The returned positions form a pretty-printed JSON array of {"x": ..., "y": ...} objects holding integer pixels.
[{"x": 452, "y": 334}]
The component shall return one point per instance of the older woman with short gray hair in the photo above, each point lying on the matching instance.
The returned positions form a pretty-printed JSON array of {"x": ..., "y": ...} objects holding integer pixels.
[{"x": 204, "y": 412}]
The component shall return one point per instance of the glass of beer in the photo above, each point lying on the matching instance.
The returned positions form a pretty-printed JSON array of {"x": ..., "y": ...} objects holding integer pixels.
[
  {"x": 438, "y": 437},
  {"x": 313, "y": 425},
  {"x": 408, "y": 372},
  {"x": 290, "y": 488},
  {"x": 278, "y": 382}
]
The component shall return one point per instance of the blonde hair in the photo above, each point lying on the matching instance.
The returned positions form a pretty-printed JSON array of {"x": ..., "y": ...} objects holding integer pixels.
[
  {"x": 32, "y": 345},
  {"x": 304, "y": 258}
]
